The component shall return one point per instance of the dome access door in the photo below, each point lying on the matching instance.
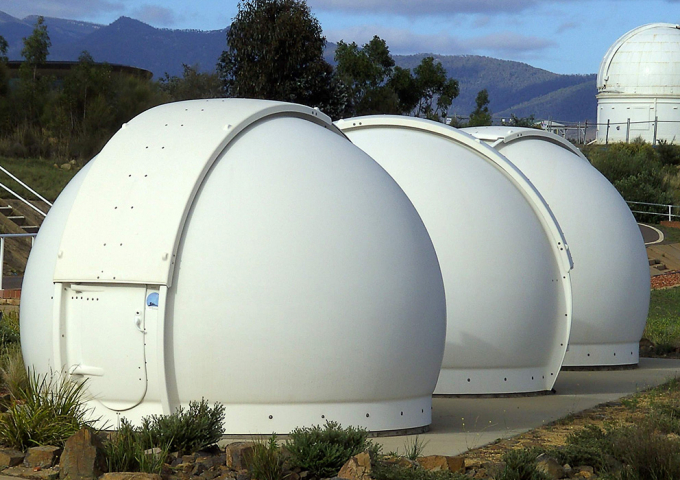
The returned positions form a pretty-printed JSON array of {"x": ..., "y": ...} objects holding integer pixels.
[{"x": 103, "y": 329}]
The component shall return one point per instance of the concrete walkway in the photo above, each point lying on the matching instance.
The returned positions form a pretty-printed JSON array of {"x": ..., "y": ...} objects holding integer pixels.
[{"x": 459, "y": 424}]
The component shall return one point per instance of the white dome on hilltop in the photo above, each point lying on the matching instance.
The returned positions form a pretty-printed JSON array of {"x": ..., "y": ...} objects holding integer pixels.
[
  {"x": 246, "y": 252},
  {"x": 644, "y": 61}
]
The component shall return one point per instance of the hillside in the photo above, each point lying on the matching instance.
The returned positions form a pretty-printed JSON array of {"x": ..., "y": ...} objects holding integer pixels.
[{"x": 514, "y": 87}]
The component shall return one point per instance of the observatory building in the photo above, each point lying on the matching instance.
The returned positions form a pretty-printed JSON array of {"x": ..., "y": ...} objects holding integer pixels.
[
  {"x": 610, "y": 304},
  {"x": 639, "y": 86},
  {"x": 245, "y": 252},
  {"x": 505, "y": 264}
]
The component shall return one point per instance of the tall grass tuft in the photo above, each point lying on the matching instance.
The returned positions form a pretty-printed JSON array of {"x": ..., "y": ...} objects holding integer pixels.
[
  {"x": 13, "y": 372},
  {"x": 51, "y": 411},
  {"x": 268, "y": 461},
  {"x": 126, "y": 451}
]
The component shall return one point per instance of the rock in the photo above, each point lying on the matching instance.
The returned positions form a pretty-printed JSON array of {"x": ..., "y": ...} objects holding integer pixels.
[
  {"x": 189, "y": 458},
  {"x": 32, "y": 472},
  {"x": 474, "y": 462},
  {"x": 210, "y": 474},
  {"x": 239, "y": 455},
  {"x": 357, "y": 468},
  {"x": 10, "y": 457},
  {"x": 549, "y": 466},
  {"x": 402, "y": 462},
  {"x": 436, "y": 463},
  {"x": 45, "y": 456},
  {"x": 83, "y": 457},
  {"x": 66, "y": 166},
  {"x": 456, "y": 464},
  {"x": 130, "y": 476}
]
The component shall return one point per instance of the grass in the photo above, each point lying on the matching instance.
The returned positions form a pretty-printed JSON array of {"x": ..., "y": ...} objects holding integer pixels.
[
  {"x": 50, "y": 411},
  {"x": 38, "y": 173},
  {"x": 268, "y": 461},
  {"x": 671, "y": 235},
  {"x": 663, "y": 322},
  {"x": 126, "y": 451}
]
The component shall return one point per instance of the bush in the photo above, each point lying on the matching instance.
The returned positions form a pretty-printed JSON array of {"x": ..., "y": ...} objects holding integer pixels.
[
  {"x": 390, "y": 471},
  {"x": 51, "y": 411},
  {"x": 9, "y": 330},
  {"x": 125, "y": 451},
  {"x": 647, "y": 454},
  {"x": 636, "y": 172},
  {"x": 323, "y": 451},
  {"x": 521, "y": 465},
  {"x": 585, "y": 447},
  {"x": 268, "y": 461},
  {"x": 185, "y": 431}
]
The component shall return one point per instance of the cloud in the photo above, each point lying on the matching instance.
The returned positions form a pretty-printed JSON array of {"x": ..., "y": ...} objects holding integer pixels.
[
  {"x": 154, "y": 15},
  {"x": 423, "y": 7},
  {"x": 567, "y": 26},
  {"x": 60, "y": 8},
  {"x": 403, "y": 42}
]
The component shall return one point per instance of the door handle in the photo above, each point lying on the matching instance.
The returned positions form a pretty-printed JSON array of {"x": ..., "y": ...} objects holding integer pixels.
[{"x": 138, "y": 323}]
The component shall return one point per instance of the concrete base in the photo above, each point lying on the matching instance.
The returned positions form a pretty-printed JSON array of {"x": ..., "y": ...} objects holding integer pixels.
[
  {"x": 459, "y": 424},
  {"x": 602, "y": 355}
]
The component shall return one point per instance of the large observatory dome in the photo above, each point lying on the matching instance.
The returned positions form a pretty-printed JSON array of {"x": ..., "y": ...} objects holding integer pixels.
[
  {"x": 639, "y": 85},
  {"x": 245, "y": 252},
  {"x": 504, "y": 262},
  {"x": 604, "y": 240}
]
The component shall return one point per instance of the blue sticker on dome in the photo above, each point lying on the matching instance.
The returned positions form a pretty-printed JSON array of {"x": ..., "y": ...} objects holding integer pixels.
[{"x": 152, "y": 300}]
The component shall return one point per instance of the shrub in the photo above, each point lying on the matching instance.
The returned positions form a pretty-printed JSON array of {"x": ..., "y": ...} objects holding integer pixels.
[
  {"x": 185, "y": 431},
  {"x": 647, "y": 454},
  {"x": 9, "y": 330},
  {"x": 323, "y": 451},
  {"x": 268, "y": 461},
  {"x": 390, "y": 471},
  {"x": 52, "y": 410},
  {"x": 521, "y": 465},
  {"x": 585, "y": 447},
  {"x": 636, "y": 172},
  {"x": 125, "y": 451}
]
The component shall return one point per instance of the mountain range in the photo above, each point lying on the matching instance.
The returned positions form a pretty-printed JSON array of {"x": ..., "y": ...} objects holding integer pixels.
[{"x": 514, "y": 87}]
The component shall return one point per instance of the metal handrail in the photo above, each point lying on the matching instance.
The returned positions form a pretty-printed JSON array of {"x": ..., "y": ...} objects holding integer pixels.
[
  {"x": 670, "y": 214},
  {"x": 3, "y": 236}
]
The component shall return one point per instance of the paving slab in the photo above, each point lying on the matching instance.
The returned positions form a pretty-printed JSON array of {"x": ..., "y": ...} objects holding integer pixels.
[{"x": 460, "y": 424}]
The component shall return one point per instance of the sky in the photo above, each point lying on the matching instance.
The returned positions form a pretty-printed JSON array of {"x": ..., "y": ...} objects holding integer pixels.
[{"x": 562, "y": 36}]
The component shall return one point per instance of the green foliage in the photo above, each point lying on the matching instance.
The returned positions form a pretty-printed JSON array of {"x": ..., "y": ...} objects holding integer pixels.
[
  {"x": 9, "y": 330},
  {"x": 324, "y": 450},
  {"x": 275, "y": 52},
  {"x": 51, "y": 411},
  {"x": 37, "y": 45},
  {"x": 646, "y": 453},
  {"x": 481, "y": 115},
  {"x": 382, "y": 470},
  {"x": 192, "y": 85},
  {"x": 588, "y": 446},
  {"x": 436, "y": 90},
  {"x": 13, "y": 372},
  {"x": 268, "y": 461},
  {"x": 668, "y": 153},
  {"x": 414, "y": 447},
  {"x": 529, "y": 122},
  {"x": 636, "y": 172},
  {"x": 185, "y": 431},
  {"x": 125, "y": 451},
  {"x": 367, "y": 72},
  {"x": 3, "y": 49},
  {"x": 521, "y": 465}
]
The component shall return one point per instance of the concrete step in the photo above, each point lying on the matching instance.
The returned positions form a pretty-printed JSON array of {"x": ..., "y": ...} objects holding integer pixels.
[
  {"x": 31, "y": 228},
  {"x": 18, "y": 219},
  {"x": 6, "y": 210}
]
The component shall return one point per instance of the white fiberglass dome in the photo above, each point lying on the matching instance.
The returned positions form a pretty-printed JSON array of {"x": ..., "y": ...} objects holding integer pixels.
[
  {"x": 645, "y": 61},
  {"x": 246, "y": 252},
  {"x": 610, "y": 279},
  {"x": 503, "y": 259}
]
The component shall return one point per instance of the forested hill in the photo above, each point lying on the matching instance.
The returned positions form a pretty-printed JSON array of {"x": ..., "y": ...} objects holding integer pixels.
[{"x": 514, "y": 87}]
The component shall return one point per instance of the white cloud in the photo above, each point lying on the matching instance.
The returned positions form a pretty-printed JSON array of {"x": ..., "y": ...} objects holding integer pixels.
[
  {"x": 154, "y": 15},
  {"x": 423, "y": 7},
  {"x": 60, "y": 8}
]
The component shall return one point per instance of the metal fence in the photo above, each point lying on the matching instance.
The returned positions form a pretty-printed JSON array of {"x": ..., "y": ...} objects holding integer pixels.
[{"x": 668, "y": 210}]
